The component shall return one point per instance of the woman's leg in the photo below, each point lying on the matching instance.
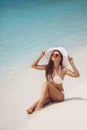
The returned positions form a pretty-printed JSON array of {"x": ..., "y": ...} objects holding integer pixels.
[
  {"x": 53, "y": 94},
  {"x": 32, "y": 107},
  {"x": 45, "y": 101}
]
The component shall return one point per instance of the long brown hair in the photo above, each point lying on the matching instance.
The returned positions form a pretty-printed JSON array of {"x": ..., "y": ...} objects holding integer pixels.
[{"x": 50, "y": 66}]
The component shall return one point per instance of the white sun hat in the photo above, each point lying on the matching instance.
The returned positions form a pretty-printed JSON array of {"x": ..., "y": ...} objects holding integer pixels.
[{"x": 62, "y": 51}]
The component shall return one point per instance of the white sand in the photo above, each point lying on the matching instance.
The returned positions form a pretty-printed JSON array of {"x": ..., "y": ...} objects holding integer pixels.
[{"x": 23, "y": 87}]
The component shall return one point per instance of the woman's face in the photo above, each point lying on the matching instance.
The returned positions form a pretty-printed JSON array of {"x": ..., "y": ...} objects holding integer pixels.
[{"x": 56, "y": 56}]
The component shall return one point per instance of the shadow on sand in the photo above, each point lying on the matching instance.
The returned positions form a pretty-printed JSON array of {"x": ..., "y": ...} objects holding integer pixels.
[{"x": 74, "y": 98}]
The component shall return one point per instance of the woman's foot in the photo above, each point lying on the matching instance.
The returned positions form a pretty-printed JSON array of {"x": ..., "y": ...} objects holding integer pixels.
[{"x": 29, "y": 110}]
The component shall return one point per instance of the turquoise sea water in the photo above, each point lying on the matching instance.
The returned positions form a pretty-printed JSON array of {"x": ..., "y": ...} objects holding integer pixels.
[{"x": 27, "y": 27}]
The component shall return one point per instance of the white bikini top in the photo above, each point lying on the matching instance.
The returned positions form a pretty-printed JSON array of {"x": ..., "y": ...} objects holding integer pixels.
[{"x": 57, "y": 79}]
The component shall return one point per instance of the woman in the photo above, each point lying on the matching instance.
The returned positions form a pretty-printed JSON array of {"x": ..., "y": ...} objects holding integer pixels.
[{"x": 52, "y": 89}]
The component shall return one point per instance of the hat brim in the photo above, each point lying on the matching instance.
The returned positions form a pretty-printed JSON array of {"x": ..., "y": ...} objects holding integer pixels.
[{"x": 62, "y": 51}]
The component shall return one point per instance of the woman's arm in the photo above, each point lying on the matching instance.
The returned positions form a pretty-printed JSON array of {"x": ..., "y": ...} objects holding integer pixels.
[
  {"x": 75, "y": 72},
  {"x": 35, "y": 63}
]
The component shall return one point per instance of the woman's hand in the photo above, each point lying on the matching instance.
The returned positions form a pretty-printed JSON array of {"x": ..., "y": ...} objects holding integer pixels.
[
  {"x": 35, "y": 64},
  {"x": 75, "y": 72},
  {"x": 42, "y": 53},
  {"x": 70, "y": 59}
]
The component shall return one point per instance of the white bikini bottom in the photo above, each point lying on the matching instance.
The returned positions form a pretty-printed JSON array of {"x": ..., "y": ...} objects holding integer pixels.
[{"x": 62, "y": 91}]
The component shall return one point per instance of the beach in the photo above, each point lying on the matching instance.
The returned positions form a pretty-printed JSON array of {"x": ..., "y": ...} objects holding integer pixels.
[
  {"x": 17, "y": 95},
  {"x": 26, "y": 28}
]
